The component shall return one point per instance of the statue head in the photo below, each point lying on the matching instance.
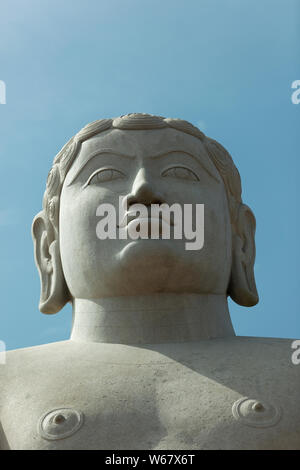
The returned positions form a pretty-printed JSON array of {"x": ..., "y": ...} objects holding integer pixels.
[{"x": 149, "y": 159}]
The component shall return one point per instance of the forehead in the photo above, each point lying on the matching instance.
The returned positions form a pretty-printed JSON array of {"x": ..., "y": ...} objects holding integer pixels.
[{"x": 141, "y": 144}]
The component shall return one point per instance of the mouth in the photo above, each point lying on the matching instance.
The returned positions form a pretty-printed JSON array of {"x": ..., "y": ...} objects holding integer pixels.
[
  {"x": 148, "y": 223},
  {"x": 131, "y": 219}
]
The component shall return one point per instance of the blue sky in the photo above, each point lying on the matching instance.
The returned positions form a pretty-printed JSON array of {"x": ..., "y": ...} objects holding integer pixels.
[{"x": 225, "y": 65}]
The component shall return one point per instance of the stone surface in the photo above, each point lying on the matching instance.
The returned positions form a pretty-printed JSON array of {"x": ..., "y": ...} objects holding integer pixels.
[
  {"x": 161, "y": 396},
  {"x": 153, "y": 361}
]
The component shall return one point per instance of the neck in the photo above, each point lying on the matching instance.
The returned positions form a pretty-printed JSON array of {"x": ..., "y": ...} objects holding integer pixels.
[{"x": 150, "y": 319}]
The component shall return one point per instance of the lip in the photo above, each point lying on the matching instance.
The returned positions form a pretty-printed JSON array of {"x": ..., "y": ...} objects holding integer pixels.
[
  {"x": 148, "y": 220},
  {"x": 129, "y": 217},
  {"x": 147, "y": 227}
]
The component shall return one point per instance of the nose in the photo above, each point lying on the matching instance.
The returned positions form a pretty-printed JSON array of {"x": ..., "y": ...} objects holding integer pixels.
[{"x": 144, "y": 190}]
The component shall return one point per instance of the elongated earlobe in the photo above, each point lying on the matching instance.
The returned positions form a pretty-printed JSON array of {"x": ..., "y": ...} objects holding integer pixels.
[
  {"x": 242, "y": 287},
  {"x": 54, "y": 291}
]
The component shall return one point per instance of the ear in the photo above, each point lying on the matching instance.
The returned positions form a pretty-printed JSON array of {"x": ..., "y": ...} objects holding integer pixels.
[
  {"x": 242, "y": 288},
  {"x": 54, "y": 291}
]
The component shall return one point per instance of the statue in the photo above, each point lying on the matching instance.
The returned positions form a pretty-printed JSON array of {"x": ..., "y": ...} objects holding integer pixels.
[{"x": 153, "y": 361}]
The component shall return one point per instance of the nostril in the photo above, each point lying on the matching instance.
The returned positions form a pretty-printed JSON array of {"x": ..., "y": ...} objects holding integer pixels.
[
  {"x": 156, "y": 201},
  {"x": 133, "y": 201},
  {"x": 143, "y": 198},
  {"x": 144, "y": 192}
]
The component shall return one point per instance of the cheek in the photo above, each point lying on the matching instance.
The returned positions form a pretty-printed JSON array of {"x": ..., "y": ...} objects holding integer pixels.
[
  {"x": 217, "y": 243},
  {"x": 86, "y": 260},
  {"x": 78, "y": 219},
  {"x": 215, "y": 256},
  {"x": 79, "y": 244}
]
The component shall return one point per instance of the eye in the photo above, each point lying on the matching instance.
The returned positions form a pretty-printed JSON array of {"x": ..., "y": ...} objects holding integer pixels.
[
  {"x": 181, "y": 172},
  {"x": 102, "y": 176}
]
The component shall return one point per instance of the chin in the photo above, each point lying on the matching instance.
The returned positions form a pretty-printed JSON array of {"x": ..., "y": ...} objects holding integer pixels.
[
  {"x": 144, "y": 253},
  {"x": 146, "y": 265}
]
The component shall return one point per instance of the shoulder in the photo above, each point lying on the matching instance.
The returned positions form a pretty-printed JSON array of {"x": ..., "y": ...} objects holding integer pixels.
[
  {"x": 233, "y": 375},
  {"x": 21, "y": 374},
  {"x": 260, "y": 370},
  {"x": 23, "y": 367},
  {"x": 271, "y": 355},
  {"x": 255, "y": 360},
  {"x": 245, "y": 345}
]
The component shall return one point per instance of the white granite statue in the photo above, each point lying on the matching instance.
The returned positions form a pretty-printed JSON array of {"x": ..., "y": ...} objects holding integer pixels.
[{"x": 153, "y": 361}]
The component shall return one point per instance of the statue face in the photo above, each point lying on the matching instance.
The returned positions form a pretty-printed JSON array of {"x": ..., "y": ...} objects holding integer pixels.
[{"x": 138, "y": 161}]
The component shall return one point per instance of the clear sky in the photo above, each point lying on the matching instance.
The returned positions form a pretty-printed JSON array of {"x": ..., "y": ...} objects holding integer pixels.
[{"x": 225, "y": 65}]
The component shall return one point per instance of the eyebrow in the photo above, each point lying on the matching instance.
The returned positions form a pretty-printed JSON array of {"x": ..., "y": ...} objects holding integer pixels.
[
  {"x": 195, "y": 157},
  {"x": 159, "y": 155},
  {"x": 96, "y": 154}
]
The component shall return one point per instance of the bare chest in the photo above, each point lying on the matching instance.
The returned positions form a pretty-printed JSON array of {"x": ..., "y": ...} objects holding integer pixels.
[{"x": 130, "y": 406}]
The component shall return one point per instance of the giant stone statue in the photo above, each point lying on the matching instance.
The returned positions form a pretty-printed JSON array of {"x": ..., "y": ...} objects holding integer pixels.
[{"x": 153, "y": 361}]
